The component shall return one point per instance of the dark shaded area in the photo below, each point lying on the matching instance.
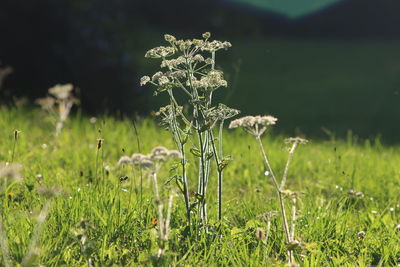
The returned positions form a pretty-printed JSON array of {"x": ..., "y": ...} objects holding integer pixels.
[{"x": 98, "y": 45}]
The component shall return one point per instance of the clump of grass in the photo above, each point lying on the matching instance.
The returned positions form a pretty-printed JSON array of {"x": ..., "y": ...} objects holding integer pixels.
[
  {"x": 257, "y": 126},
  {"x": 9, "y": 174},
  {"x": 190, "y": 74},
  {"x": 58, "y": 104}
]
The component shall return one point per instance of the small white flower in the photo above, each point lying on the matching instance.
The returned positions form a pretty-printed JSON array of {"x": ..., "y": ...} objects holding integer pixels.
[{"x": 144, "y": 80}]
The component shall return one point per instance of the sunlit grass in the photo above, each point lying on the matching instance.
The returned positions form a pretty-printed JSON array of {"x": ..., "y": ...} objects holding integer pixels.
[{"x": 330, "y": 216}]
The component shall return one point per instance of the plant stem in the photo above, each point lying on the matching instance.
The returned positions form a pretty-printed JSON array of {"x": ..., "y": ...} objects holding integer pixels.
[
  {"x": 219, "y": 177},
  {"x": 291, "y": 152},
  {"x": 293, "y": 219},
  {"x": 280, "y": 197}
]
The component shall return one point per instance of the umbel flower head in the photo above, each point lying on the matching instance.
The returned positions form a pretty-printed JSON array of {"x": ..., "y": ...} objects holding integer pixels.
[
  {"x": 296, "y": 140},
  {"x": 181, "y": 57},
  {"x": 222, "y": 112},
  {"x": 256, "y": 125},
  {"x": 61, "y": 91},
  {"x": 151, "y": 161}
]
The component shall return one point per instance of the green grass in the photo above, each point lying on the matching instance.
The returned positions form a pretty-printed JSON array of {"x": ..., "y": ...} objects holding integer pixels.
[{"x": 328, "y": 222}]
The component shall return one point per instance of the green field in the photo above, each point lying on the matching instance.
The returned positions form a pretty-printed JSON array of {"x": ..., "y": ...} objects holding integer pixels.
[{"x": 329, "y": 222}]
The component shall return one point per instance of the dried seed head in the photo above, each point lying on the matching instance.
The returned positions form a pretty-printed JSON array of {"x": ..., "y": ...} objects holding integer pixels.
[
  {"x": 137, "y": 157},
  {"x": 159, "y": 150},
  {"x": 99, "y": 143},
  {"x": 61, "y": 91},
  {"x": 260, "y": 234},
  {"x": 146, "y": 163},
  {"x": 125, "y": 160},
  {"x": 16, "y": 134},
  {"x": 297, "y": 140},
  {"x": 158, "y": 158}
]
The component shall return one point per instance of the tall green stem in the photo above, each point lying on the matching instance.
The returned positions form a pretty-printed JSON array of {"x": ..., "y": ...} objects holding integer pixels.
[{"x": 280, "y": 196}]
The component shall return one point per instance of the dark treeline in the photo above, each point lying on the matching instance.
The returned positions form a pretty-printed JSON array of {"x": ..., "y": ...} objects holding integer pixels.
[{"x": 98, "y": 45}]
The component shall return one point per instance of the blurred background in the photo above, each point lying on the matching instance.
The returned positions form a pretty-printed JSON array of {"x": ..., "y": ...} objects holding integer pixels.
[{"x": 322, "y": 67}]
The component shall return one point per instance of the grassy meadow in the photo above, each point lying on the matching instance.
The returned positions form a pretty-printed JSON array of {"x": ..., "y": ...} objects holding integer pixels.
[{"x": 348, "y": 211}]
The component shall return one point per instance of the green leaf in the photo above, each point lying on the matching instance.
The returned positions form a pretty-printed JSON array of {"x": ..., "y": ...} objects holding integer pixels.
[
  {"x": 199, "y": 197},
  {"x": 195, "y": 152},
  {"x": 180, "y": 185},
  {"x": 224, "y": 162},
  {"x": 209, "y": 155}
]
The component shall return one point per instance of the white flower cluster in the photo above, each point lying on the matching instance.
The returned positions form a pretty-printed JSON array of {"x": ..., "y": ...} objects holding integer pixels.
[
  {"x": 211, "y": 81},
  {"x": 222, "y": 112},
  {"x": 160, "y": 52},
  {"x": 187, "y": 62},
  {"x": 158, "y": 155},
  {"x": 255, "y": 125},
  {"x": 251, "y": 121},
  {"x": 61, "y": 91},
  {"x": 297, "y": 140}
]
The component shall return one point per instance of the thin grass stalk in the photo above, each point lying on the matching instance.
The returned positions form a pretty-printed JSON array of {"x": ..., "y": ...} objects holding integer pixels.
[
  {"x": 16, "y": 135},
  {"x": 280, "y": 196},
  {"x": 140, "y": 169}
]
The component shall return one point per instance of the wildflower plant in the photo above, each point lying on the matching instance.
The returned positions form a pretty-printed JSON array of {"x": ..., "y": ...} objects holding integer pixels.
[
  {"x": 257, "y": 126},
  {"x": 58, "y": 104},
  {"x": 188, "y": 69},
  {"x": 151, "y": 164}
]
